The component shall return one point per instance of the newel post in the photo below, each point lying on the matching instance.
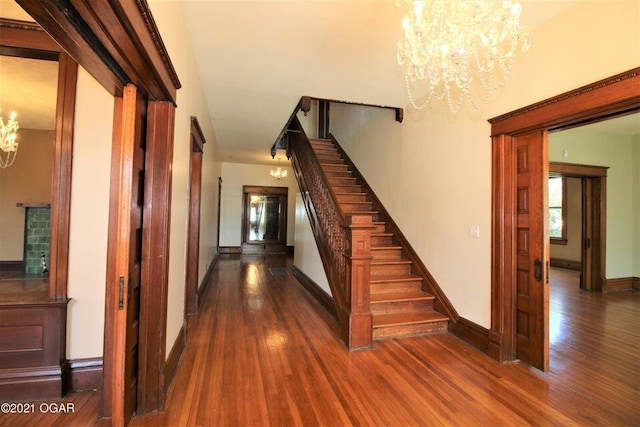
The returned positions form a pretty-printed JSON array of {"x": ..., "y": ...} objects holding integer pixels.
[{"x": 358, "y": 267}]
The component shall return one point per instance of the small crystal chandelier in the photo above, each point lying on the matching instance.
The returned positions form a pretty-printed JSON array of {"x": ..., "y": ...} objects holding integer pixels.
[
  {"x": 461, "y": 50},
  {"x": 278, "y": 173},
  {"x": 8, "y": 141}
]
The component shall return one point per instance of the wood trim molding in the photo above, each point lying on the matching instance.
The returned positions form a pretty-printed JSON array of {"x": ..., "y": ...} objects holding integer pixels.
[
  {"x": 61, "y": 177},
  {"x": 207, "y": 277},
  {"x": 601, "y": 99},
  {"x": 83, "y": 375},
  {"x": 472, "y": 333},
  {"x": 575, "y": 170},
  {"x": 636, "y": 283},
  {"x": 27, "y": 35},
  {"x": 566, "y": 263},
  {"x": 324, "y": 299},
  {"x": 156, "y": 241},
  {"x": 197, "y": 135},
  {"x": 117, "y": 42},
  {"x": 30, "y": 384},
  {"x": 620, "y": 284},
  {"x": 605, "y": 97},
  {"x": 193, "y": 221},
  {"x": 11, "y": 266},
  {"x": 173, "y": 360},
  {"x": 230, "y": 250}
]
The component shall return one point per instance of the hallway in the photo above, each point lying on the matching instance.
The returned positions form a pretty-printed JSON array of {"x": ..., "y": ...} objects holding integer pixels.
[
  {"x": 272, "y": 357},
  {"x": 263, "y": 352}
]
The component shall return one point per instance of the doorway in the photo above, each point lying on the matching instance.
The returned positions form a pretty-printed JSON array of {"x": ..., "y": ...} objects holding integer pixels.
[
  {"x": 592, "y": 182},
  {"x": 616, "y": 95},
  {"x": 264, "y": 224}
]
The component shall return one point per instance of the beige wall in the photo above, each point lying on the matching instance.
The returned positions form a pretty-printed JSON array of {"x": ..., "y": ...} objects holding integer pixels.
[
  {"x": 433, "y": 172},
  {"x": 27, "y": 180},
  {"x": 573, "y": 249},
  {"x": 90, "y": 186},
  {"x": 306, "y": 256},
  {"x": 584, "y": 146},
  {"x": 635, "y": 148},
  {"x": 190, "y": 101},
  {"x": 236, "y": 175}
]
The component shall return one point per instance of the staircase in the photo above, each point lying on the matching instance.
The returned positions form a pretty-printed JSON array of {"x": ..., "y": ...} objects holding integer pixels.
[{"x": 399, "y": 305}]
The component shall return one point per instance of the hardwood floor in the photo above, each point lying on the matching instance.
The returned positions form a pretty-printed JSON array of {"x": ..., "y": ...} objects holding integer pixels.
[{"x": 263, "y": 352}]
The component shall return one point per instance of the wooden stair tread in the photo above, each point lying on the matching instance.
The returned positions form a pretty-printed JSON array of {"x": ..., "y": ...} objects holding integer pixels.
[
  {"x": 394, "y": 278},
  {"x": 397, "y": 296},
  {"x": 396, "y": 319},
  {"x": 383, "y": 248}
]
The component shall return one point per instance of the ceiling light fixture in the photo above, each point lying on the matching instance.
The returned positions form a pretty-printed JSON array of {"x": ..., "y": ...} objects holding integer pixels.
[
  {"x": 279, "y": 172},
  {"x": 459, "y": 50},
  {"x": 8, "y": 140}
]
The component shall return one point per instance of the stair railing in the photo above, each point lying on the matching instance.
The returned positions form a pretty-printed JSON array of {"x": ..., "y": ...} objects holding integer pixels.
[{"x": 344, "y": 242}]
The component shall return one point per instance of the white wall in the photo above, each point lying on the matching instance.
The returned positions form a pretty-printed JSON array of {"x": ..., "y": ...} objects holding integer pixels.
[
  {"x": 306, "y": 256},
  {"x": 190, "y": 102},
  {"x": 236, "y": 175},
  {"x": 90, "y": 186},
  {"x": 584, "y": 146},
  {"x": 433, "y": 172}
]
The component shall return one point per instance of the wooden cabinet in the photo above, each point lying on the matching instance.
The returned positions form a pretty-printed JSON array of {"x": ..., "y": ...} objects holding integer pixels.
[{"x": 32, "y": 350}]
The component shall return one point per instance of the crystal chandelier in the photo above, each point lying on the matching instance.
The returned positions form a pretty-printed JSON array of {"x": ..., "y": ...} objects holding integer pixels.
[
  {"x": 8, "y": 141},
  {"x": 461, "y": 50},
  {"x": 278, "y": 173}
]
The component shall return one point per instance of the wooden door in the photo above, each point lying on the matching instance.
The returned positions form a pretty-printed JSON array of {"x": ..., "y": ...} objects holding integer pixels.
[
  {"x": 532, "y": 250},
  {"x": 193, "y": 224},
  {"x": 124, "y": 257}
]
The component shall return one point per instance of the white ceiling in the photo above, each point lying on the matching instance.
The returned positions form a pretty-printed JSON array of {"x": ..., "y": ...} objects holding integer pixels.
[{"x": 256, "y": 58}]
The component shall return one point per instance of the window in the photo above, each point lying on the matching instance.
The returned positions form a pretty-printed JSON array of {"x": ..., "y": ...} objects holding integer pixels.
[{"x": 558, "y": 210}]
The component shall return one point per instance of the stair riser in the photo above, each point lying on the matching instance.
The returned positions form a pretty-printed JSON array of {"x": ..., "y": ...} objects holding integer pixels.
[
  {"x": 390, "y": 269},
  {"x": 401, "y": 307},
  {"x": 379, "y": 228},
  {"x": 346, "y": 188},
  {"x": 358, "y": 207},
  {"x": 349, "y": 214},
  {"x": 413, "y": 285},
  {"x": 339, "y": 174},
  {"x": 409, "y": 330},
  {"x": 391, "y": 253},
  {"x": 330, "y": 160},
  {"x": 352, "y": 198},
  {"x": 381, "y": 240},
  {"x": 335, "y": 167},
  {"x": 321, "y": 143},
  {"x": 337, "y": 181}
]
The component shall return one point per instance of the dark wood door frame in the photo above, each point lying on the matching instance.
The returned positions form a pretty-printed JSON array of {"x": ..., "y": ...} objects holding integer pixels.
[
  {"x": 267, "y": 246},
  {"x": 193, "y": 225},
  {"x": 608, "y": 97},
  {"x": 27, "y": 39},
  {"x": 118, "y": 43},
  {"x": 218, "y": 216},
  {"x": 594, "y": 220}
]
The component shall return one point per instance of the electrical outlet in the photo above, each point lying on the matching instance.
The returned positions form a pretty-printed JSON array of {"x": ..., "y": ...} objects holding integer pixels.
[{"x": 474, "y": 231}]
